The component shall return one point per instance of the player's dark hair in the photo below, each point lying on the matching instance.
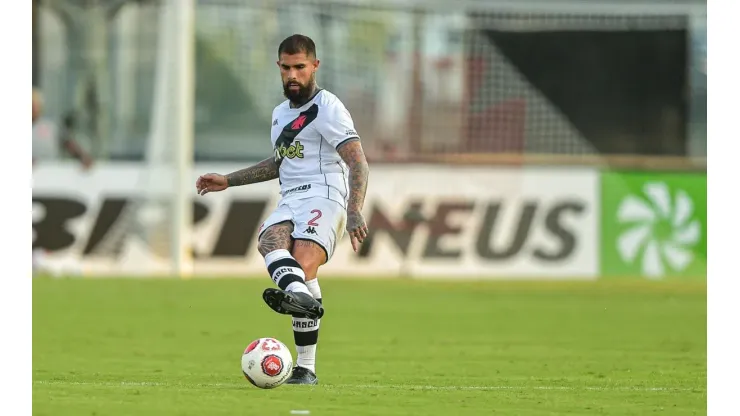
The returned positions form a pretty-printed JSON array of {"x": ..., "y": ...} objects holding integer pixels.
[{"x": 296, "y": 44}]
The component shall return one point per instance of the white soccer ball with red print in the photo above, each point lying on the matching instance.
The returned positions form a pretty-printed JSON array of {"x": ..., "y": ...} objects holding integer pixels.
[{"x": 267, "y": 363}]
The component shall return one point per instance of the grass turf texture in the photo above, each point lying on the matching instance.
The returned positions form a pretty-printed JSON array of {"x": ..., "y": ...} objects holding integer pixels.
[{"x": 387, "y": 347}]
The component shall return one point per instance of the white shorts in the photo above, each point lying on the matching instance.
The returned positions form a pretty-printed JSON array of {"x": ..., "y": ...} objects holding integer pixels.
[{"x": 317, "y": 219}]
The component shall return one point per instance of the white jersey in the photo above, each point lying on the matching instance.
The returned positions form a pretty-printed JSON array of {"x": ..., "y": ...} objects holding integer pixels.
[{"x": 307, "y": 137}]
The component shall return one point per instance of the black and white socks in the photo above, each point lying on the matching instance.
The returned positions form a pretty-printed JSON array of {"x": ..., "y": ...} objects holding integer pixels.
[
  {"x": 287, "y": 273},
  {"x": 306, "y": 332}
]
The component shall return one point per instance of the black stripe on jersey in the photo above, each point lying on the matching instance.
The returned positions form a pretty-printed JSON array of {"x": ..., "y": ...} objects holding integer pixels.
[
  {"x": 295, "y": 126},
  {"x": 347, "y": 140},
  {"x": 291, "y": 131}
]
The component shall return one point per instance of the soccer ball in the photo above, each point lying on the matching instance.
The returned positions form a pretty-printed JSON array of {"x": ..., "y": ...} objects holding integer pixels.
[{"x": 267, "y": 363}]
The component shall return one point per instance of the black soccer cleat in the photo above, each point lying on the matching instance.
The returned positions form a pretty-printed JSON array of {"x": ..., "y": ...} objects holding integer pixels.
[
  {"x": 293, "y": 303},
  {"x": 303, "y": 376}
]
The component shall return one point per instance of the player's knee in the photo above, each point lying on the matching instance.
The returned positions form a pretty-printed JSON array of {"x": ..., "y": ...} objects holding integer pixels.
[
  {"x": 276, "y": 237},
  {"x": 309, "y": 263},
  {"x": 310, "y": 256},
  {"x": 266, "y": 247},
  {"x": 263, "y": 248}
]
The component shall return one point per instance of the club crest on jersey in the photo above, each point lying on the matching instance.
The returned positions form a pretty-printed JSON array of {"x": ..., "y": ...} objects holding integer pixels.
[
  {"x": 298, "y": 123},
  {"x": 285, "y": 143},
  {"x": 295, "y": 150}
]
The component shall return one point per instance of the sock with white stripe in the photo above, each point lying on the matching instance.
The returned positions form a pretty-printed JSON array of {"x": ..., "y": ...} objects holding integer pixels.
[
  {"x": 306, "y": 332},
  {"x": 286, "y": 272}
]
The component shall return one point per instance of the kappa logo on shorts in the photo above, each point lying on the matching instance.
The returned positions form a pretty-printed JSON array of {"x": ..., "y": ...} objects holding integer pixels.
[
  {"x": 275, "y": 122},
  {"x": 310, "y": 230}
]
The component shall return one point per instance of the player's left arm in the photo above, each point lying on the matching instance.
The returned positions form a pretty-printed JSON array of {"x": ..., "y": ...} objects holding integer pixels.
[
  {"x": 336, "y": 126},
  {"x": 359, "y": 171}
]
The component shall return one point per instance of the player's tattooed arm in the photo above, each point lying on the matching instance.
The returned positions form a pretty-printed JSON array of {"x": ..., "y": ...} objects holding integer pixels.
[
  {"x": 359, "y": 171},
  {"x": 264, "y": 171},
  {"x": 261, "y": 172}
]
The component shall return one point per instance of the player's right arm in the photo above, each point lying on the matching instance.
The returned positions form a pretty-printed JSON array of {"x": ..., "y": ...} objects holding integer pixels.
[{"x": 262, "y": 172}]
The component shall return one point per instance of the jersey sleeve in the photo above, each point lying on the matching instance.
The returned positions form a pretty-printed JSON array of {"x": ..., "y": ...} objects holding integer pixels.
[{"x": 336, "y": 125}]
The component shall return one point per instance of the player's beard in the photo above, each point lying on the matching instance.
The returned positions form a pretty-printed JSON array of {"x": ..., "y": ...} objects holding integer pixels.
[{"x": 302, "y": 95}]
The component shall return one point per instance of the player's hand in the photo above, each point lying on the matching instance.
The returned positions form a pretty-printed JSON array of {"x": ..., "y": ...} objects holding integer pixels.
[
  {"x": 356, "y": 228},
  {"x": 211, "y": 182}
]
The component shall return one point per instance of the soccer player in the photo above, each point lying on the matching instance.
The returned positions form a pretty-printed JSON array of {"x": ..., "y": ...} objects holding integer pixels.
[{"x": 323, "y": 176}]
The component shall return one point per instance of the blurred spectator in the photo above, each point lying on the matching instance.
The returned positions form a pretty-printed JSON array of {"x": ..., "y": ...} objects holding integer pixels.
[
  {"x": 50, "y": 140},
  {"x": 48, "y": 144}
]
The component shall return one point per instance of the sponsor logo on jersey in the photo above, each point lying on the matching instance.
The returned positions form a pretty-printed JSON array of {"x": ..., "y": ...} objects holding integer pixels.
[
  {"x": 310, "y": 230},
  {"x": 275, "y": 122},
  {"x": 293, "y": 151},
  {"x": 297, "y": 189},
  {"x": 285, "y": 144}
]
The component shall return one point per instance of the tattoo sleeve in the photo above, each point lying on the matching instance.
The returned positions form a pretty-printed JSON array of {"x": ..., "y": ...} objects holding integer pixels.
[
  {"x": 261, "y": 172},
  {"x": 276, "y": 237},
  {"x": 353, "y": 155}
]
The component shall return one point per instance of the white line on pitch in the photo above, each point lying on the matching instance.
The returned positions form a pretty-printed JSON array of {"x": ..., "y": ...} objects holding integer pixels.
[{"x": 369, "y": 386}]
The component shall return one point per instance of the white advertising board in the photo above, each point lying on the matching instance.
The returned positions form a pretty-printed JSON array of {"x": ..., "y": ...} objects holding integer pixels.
[{"x": 427, "y": 221}]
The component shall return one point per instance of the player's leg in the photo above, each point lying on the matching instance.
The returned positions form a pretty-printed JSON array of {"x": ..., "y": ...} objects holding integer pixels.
[
  {"x": 306, "y": 330},
  {"x": 275, "y": 243},
  {"x": 319, "y": 223}
]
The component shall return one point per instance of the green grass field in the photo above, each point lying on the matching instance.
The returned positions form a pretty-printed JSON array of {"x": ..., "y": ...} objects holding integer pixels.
[{"x": 387, "y": 347}]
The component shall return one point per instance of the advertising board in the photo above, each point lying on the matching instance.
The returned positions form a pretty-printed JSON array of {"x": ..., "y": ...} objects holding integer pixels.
[{"x": 425, "y": 222}]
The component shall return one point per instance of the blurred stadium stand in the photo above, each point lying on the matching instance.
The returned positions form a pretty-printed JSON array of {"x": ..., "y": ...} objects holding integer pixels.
[{"x": 496, "y": 82}]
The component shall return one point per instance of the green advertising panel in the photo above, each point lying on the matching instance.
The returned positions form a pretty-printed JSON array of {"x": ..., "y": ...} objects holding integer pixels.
[{"x": 653, "y": 225}]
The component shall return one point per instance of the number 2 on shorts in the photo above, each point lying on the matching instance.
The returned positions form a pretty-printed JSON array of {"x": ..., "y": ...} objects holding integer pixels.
[{"x": 312, "y": 222}]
